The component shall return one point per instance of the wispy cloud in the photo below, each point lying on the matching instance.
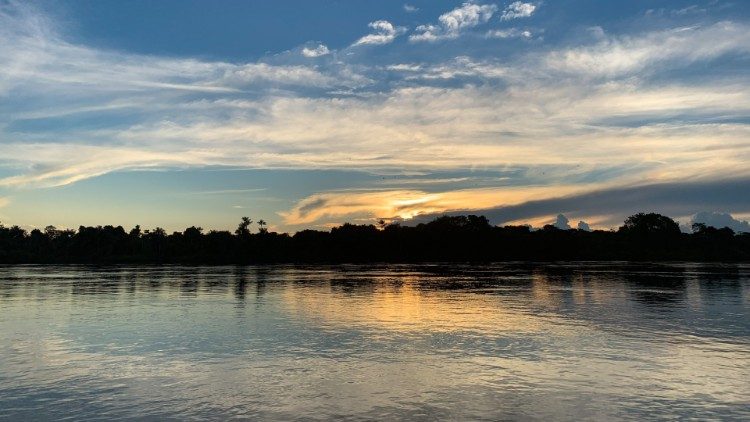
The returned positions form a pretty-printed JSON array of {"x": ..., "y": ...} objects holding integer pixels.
[
  {"x": 385, "y": 33},
  {"x": 41, "y": 61},
  {"x": 410, "y": 9},
  {"x": 452, "y": 23},
  {"x": 509, "y": 33},
  {"x": 227, "y": 191},
  {"x": 405, "y": 67},
  {"x": 517, "y": 10},
  {"x": 616, "y": 56}
]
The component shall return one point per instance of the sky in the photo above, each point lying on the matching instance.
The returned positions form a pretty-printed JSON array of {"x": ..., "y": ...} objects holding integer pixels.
[{"x": 309, "y": 114}]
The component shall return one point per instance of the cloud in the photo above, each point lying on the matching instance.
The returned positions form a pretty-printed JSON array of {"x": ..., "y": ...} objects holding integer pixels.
[
  {"x": 562, "y": 222},
  {"x": 410, "y": 9},
  {"x": 521, "y": 204},
  {"x": 39, "y": 61},
  {"x": 452, "y": 23},
  {"x": 425, "y": 127},
  {"x": 60, "y": 165},
  {"x": 385, "y": 33},
  {"x": 405, "y": 67},
  {"x": 250, "y": 74},
  {"x": 509, "y": 33},
  {"x": 612, "y": 205},
  {"x": 721, "y": 220},
  {"x": 518, "y": 10},
  {"x": 316, "y": 51},
  {"x": 620, "y": 56},
  {"x": 467, "y": 16},
  {"x": 689, "y": 10},
  {"x": 407, "y": 128},
  {"x": 582, "y": 225},
  {"x": 228, "y": 191},
  {"x": 330, "y": 207},
  {"x": 430, "y": 33},
  {"x": 53, "y": 64},
  {"x": 460, "y": 67}
]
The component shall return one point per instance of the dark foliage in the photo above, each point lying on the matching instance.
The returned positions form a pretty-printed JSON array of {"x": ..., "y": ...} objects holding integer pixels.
[{"x": 459, "y": 238}]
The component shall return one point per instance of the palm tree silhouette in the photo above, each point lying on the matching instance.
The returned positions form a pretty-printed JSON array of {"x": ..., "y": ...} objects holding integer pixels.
[
  {"x": 242, "y": 227},
  {"x": 261, "y": 224}
]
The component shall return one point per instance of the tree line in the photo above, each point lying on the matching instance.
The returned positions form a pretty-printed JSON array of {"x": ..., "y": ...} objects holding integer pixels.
[{"x": 449, "y": 238}]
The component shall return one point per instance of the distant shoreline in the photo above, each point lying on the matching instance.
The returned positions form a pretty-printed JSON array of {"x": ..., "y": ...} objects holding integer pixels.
[{"x": 455, "y": 239}]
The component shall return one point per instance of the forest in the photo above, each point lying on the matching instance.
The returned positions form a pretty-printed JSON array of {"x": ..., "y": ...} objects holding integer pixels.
[{"x": 470, "y": 238}]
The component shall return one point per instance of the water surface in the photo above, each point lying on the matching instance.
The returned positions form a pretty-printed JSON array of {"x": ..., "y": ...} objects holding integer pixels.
[{"x": 409, "y": 342}]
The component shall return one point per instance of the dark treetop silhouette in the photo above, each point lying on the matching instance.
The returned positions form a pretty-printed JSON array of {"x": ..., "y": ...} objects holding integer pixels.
[{"x": 449, "y": 238}]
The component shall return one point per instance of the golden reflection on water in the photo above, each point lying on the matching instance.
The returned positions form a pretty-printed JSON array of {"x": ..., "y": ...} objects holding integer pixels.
[
  {"x": 407, "y": 308},
  {"x": 384, "y": 343}
]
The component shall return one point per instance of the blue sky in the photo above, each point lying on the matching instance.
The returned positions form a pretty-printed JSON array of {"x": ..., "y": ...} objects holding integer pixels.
[{"x": 312, "y": 113}]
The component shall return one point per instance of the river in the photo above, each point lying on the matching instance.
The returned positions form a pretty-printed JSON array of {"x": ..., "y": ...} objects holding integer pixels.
[{"x": 514, "y": 341}]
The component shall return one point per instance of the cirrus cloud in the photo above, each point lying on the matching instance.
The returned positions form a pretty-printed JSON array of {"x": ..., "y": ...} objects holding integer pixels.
[{"x": 618, "y": 56}]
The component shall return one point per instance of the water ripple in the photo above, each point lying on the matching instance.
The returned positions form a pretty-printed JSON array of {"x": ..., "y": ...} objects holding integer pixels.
[{"x": 562, "y": 341}]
